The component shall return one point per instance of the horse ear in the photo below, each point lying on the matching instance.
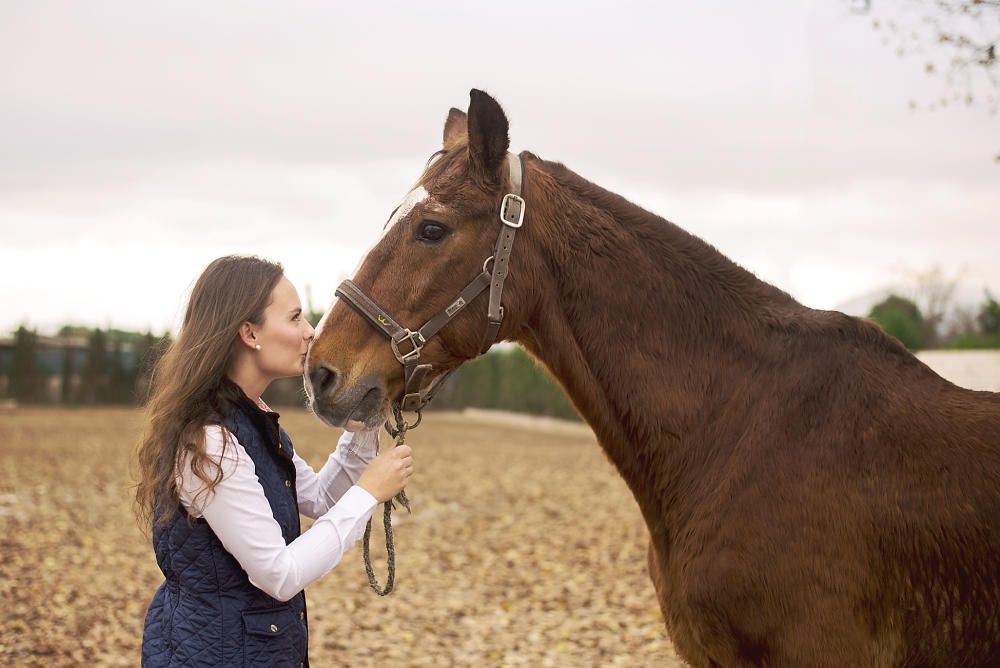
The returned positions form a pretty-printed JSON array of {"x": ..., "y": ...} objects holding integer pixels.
[
  {"x": 456, "y": 127},
  {"x": 488, "y": 128}
]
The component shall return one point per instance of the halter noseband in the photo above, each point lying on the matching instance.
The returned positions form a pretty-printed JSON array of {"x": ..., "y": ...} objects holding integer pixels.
[{"x": 512, "y": 216}]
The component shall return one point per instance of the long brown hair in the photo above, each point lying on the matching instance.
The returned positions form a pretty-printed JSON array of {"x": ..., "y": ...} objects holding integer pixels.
[{"x": 190, "y": 383}]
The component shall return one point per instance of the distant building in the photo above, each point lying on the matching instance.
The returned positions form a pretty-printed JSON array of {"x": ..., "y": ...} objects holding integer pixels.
[{"x": 58, "y": 357}]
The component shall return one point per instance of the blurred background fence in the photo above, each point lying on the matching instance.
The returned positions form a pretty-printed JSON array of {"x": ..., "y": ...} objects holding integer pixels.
[
  {"x": 97, "y": 366},
  {"x": 80, "y": 365}
]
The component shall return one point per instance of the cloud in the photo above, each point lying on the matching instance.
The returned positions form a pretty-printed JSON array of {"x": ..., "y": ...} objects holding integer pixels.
[
  {"x": 754, "y": 96},
  {"x": 138, "y": 141}
]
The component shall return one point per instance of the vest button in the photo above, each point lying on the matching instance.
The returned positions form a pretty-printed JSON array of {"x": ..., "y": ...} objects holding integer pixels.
[
  {"x": 274, "y": 629},
  {"x": 288, "y": 483},
  {"x": 302, "y": 615}
]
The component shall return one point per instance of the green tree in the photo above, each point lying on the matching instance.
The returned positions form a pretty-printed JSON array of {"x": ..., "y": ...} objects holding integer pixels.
[
  {"x": 987, "y": 330},
  {"x": 26, "y": 378},
  {"x": 989, "y": 316},
  {"x": 73, "y": 330},
  {"x": 901, "y": 318},
  {"x": 506, "y": 380}
]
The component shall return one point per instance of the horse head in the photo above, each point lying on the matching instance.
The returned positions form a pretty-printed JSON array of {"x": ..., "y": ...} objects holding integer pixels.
[{"x": 443, "y": 257}]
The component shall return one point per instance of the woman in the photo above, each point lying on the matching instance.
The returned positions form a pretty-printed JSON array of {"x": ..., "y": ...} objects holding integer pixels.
[{"x": 222, "y": 488}]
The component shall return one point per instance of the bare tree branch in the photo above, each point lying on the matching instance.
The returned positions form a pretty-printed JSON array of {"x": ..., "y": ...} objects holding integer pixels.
[{"x": 957, "y": 39}]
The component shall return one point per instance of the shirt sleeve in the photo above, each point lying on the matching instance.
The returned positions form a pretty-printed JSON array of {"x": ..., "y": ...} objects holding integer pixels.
[
  {"x": 241, "y": 517},
  {"x": 318, "y": 492}
]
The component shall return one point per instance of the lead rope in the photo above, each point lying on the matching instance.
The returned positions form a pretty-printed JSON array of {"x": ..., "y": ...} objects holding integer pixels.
[{"x": 390, "y": 548}]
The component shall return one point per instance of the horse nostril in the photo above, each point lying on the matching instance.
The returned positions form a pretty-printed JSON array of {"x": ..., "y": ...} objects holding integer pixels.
[
  {"x": 323, "y": 379},
  {"x": 372, "y": 396}
]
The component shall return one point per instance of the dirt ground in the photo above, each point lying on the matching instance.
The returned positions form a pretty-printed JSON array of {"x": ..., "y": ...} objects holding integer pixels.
[{"x": 524, "y": 548}]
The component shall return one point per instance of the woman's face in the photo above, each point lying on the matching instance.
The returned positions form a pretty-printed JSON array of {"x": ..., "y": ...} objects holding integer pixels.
[{"x": 285, "y": 335}]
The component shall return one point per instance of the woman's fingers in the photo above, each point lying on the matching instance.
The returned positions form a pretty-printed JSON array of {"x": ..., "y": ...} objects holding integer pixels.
[
  {"x": 388, "y": 472},
  {"x": 405, "y": 458}
]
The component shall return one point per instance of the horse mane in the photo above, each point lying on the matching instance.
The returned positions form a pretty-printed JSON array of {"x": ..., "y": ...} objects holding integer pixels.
[
  {"x": 748, "y": 297},
  {"x": 436, "y": 170},
  {"x": 780, "y": 312}
]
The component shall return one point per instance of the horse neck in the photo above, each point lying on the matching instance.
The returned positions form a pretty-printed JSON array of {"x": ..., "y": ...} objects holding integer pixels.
[{"x": 645, "y": 326}]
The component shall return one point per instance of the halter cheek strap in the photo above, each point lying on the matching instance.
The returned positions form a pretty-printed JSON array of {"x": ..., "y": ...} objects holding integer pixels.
[
  {"x": 512, "y": 209},
  {"x": 512, "y": 216}
]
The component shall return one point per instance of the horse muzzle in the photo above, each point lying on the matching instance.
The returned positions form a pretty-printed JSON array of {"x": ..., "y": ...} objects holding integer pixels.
[{"x": 336, "y": 403}]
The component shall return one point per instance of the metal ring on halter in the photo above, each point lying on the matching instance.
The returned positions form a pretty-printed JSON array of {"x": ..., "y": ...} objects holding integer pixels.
[
  {"x": 402, "y": 426},
  {"x": 486, "y": 262},
  {"x": 417, "y": 347}
]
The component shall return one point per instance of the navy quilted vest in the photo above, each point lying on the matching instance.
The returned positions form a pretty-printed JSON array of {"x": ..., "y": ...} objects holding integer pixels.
[{"x": 206, "y": 612}]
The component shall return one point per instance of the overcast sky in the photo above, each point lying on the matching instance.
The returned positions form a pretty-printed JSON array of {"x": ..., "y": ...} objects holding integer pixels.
[{"x": 138, "y": 141}]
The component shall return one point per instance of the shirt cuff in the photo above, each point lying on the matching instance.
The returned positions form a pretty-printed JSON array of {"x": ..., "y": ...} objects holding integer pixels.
[
  {"x": 363, "y": 444},
  {"x": 359, "y": 504},
  {"x": 357, "y": 499}
]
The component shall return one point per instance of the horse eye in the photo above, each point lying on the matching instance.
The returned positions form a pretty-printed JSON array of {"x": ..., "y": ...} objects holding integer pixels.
[{"x": 428, "y": 230}]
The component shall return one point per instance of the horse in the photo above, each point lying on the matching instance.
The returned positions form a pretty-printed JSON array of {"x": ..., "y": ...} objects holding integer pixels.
[{"x": 815, "y": 495}]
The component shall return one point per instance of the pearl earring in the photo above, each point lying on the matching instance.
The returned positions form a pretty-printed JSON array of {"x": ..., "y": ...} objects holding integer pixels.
[{"x": 257, "y": 347}]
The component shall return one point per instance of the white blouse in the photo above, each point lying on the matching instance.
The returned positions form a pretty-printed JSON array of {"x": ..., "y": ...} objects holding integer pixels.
[{"x": 240, "y": 514}]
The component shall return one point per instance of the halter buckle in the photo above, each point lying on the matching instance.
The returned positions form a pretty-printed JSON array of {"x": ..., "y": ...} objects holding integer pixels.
[
  {"x": 512, "y": 216},
  {"x": 416, "y": 340}
]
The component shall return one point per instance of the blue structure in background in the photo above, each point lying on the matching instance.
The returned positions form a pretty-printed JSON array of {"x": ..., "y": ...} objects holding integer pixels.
[{"x": 51, "y": 356}]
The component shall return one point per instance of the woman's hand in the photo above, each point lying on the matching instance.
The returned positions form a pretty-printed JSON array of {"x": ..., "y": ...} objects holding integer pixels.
[{"x": 387, "y": 474}]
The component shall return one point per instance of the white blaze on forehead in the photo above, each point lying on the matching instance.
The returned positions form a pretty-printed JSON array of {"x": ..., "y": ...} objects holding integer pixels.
[{"x": 413, "y": 198}]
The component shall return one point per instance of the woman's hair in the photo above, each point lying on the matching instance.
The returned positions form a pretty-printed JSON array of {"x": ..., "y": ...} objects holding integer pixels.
[{"x": 189, "y": 384}]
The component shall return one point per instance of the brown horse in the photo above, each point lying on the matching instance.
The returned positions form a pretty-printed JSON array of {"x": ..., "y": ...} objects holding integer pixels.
[{"x": 815, "y": 495}]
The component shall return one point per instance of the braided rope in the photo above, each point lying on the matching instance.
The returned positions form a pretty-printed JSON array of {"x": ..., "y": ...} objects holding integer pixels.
[{"x": 390, "y": 547}]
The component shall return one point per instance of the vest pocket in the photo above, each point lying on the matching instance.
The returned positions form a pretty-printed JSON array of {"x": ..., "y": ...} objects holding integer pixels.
[
  {"x": 270, "y": 622},
  {"x": 272, "y": 637}
]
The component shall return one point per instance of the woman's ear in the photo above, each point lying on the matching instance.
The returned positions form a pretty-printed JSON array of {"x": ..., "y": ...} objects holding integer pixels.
[{"x": 247, "y": 335}]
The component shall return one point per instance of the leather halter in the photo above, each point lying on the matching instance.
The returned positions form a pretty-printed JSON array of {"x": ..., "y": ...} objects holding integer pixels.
[{"x": 512, "y": 216}]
